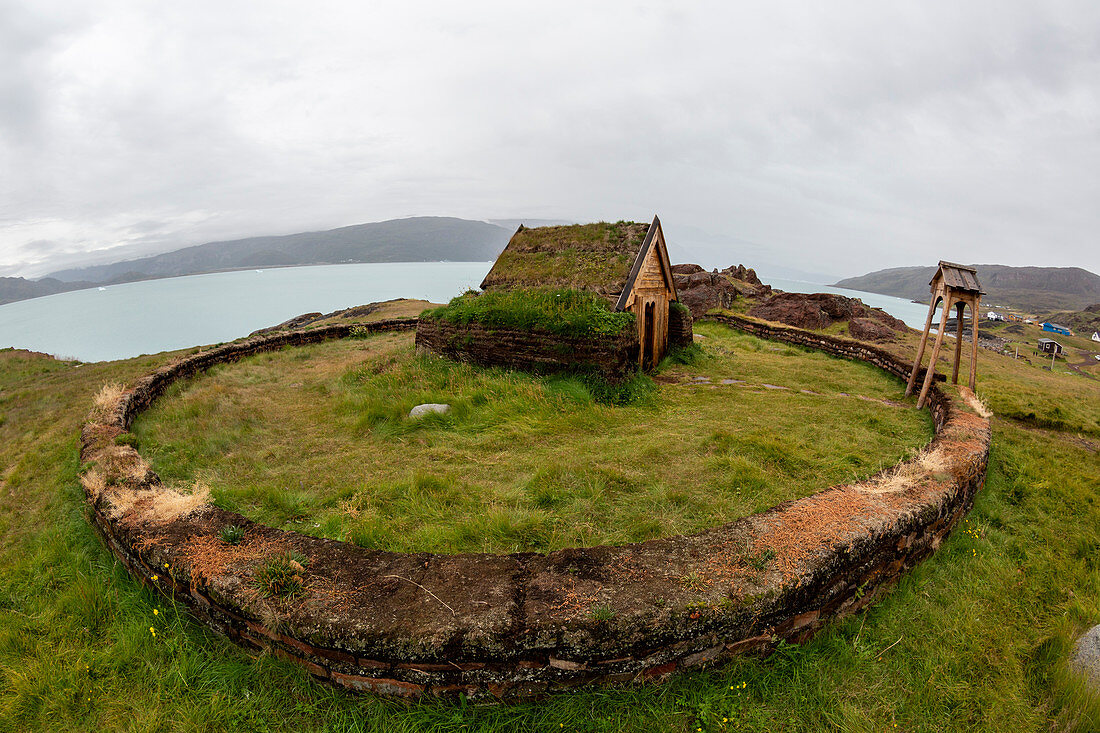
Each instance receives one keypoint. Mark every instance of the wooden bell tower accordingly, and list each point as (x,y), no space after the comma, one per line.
(958,286)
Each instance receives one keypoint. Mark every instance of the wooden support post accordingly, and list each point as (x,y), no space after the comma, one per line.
(958,341)
(920,347)
(974,347)
(930,374)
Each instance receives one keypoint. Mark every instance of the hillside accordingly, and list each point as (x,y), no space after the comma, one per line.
(1083,322)
(417,239)
(18,288)
(1031,289)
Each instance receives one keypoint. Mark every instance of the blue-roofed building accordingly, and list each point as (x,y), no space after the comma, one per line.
(1055,328)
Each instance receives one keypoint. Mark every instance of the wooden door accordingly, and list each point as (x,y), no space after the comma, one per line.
(649,336)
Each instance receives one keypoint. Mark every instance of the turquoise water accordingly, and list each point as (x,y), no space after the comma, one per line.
(121,321)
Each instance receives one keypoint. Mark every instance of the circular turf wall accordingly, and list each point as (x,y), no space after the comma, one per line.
(514,625)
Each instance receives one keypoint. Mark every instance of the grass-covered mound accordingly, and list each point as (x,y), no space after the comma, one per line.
(564,312)
(595,257)
(317,439)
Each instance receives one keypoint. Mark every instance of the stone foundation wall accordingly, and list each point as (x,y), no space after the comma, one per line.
(679,328)
(615,357)
(511,626)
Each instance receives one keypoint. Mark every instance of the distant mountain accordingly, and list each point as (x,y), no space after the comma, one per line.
(1031,289)
(417,239)
(17,288)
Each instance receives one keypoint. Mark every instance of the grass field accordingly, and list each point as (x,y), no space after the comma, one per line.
(975,638)
(317,439)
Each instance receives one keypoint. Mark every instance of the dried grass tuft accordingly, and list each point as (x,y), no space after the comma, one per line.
(898,479)
(974,402)
(93,483)
(171,505)
(933,461)
(907,474)
(121,464)
(105,401)
(159,505)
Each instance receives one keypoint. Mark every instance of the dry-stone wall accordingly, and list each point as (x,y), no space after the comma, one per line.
(679,327)
(508,626)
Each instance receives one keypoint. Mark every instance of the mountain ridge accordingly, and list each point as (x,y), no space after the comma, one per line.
(413,239)
(1032,289)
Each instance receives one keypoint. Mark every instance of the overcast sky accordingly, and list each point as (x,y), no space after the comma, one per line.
(837,137)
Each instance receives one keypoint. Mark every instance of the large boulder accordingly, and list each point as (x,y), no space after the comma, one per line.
(821,310)
(700,290)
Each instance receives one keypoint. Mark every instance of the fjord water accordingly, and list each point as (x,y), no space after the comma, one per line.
(121,321)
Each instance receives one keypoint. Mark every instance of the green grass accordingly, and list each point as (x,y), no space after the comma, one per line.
(975,638)
(1077,358)
(595,257)
(317,439)
(563,312)
(281,576)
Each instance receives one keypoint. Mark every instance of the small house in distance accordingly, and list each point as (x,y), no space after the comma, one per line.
(1055,328)
(626,263)
(1050,346)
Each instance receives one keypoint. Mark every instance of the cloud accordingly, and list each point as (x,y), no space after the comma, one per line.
(846,137)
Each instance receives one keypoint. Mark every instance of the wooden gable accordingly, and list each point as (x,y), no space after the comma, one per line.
(651,271)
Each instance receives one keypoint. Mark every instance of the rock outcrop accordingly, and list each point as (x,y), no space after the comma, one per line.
(821,310)
(700,290)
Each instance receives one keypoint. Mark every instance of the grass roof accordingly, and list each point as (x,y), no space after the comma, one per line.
(593,257)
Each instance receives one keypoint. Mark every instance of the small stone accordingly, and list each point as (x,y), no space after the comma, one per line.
(1086,656)
(567,665)
(429,408)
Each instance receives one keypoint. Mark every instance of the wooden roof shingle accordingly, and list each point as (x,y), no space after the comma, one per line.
(958,277)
